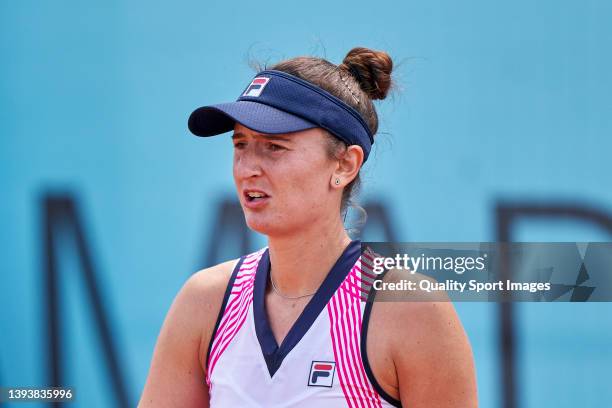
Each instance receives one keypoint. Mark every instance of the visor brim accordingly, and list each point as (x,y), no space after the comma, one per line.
(216,119)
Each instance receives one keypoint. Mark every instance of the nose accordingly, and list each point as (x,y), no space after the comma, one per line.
(247,162)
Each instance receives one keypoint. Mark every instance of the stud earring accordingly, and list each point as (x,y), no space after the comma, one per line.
(337,181)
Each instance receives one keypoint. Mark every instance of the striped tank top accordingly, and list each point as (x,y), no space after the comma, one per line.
(322,360)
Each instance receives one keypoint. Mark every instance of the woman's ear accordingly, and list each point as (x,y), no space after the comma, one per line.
(349,163)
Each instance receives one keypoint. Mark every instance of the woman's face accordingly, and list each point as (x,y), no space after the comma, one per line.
(284,181)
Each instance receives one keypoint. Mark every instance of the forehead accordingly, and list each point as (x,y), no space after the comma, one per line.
(313,134)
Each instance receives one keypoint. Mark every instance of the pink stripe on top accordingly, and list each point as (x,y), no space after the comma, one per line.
(234,315)
(344,311)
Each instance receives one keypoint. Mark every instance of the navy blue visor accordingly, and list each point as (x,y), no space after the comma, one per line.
(276,102)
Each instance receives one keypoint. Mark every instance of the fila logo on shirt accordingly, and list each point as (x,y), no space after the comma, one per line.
(256,86)
(321,374)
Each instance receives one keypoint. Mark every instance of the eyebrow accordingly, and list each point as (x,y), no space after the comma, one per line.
(238,135)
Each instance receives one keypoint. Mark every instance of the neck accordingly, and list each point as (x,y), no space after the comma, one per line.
(300,262)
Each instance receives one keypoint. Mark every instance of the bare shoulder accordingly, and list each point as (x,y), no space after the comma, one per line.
(206,289)
(422,334)
(177,372)
(207,286)
(199,300)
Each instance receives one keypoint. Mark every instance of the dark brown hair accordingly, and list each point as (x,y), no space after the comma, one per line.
(363,75)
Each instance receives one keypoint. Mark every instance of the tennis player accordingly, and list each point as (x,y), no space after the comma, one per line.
(288,325)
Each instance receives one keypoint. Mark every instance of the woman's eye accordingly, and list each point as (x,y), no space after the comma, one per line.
(275,147)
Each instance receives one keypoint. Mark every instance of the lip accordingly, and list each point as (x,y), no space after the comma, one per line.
(257,203)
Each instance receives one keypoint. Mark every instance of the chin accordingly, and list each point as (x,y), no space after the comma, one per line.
(265,225)
(257,223)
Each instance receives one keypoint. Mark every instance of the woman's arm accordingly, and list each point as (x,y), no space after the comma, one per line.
(433,358)
(177,373)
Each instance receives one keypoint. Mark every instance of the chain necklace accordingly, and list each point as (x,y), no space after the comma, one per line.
(279,293)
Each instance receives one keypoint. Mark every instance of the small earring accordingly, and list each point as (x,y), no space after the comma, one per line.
(337,181)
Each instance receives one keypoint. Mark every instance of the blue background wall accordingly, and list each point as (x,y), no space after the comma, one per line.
(497,101)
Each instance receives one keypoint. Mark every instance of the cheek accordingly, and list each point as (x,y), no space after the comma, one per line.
(304,187)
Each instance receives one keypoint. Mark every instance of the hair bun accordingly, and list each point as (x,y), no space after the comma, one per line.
(371,69)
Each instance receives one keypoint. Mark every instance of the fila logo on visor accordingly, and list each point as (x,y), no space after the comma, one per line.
(256,86)
(321,374)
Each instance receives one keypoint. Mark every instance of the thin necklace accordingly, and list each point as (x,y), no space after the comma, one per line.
(278,292)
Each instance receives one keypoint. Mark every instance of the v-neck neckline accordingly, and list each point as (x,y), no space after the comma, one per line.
(272,352)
